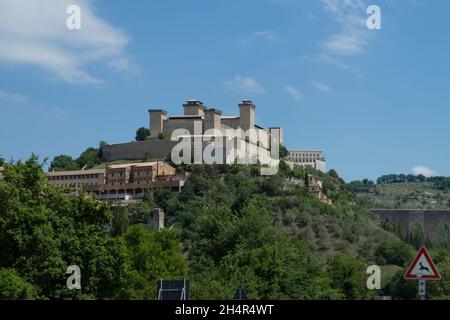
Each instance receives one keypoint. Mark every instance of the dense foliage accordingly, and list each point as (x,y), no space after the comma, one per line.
(142,134)
(272,238)
(43,231)
(438,182)
(228,228)
(87,160)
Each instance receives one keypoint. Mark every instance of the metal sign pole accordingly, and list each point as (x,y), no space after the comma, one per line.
(422,289)
(422,268)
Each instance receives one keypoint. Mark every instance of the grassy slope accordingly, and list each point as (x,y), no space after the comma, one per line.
(407,195)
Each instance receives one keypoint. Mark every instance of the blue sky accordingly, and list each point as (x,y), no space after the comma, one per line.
(375,101)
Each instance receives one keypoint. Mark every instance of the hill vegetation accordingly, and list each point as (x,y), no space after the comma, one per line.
(404,192)
(43,231)
(229,228)
(88,159)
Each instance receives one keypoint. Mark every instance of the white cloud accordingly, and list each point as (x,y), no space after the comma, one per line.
(320,86)
(123,65)
(244,83)
(294,92)
(345,43)
(427,172)
(326,58)
(12,97)
(264,34)
(34,32)
(353,36)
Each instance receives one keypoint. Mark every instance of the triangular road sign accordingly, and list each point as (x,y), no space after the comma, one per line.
(422,267)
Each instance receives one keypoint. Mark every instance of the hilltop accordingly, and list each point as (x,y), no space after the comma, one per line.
(404,192)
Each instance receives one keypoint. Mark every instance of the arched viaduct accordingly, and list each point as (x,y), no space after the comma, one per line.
(428,220)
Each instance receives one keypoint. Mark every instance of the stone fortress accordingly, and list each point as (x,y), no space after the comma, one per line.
(197,121)
(161,126)
(129,172)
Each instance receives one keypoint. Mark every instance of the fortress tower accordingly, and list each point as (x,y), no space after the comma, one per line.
(157,117)
(247,114)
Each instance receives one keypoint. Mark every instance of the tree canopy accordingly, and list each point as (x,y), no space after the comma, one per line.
(229,228)
(63,163)
(142,134)
(43,231)
(87,159)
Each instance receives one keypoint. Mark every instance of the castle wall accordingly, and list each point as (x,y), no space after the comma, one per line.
(180,123)
(234,122)
(161,149)
(141,150)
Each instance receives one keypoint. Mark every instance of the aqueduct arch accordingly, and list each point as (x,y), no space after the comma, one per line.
(443,233)
(428,220)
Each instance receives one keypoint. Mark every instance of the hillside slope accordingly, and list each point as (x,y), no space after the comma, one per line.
(274,239)
(405,195)
(229,228)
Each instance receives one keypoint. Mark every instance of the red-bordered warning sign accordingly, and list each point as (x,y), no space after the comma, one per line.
(422,267)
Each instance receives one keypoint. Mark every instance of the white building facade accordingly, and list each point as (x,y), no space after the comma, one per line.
(311,158)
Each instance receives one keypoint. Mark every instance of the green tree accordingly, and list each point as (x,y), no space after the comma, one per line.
(272,186)
(63,163)
(394,252)
(242,248)
(89,158)
(142,134)
(13,287)
(43,231)
(284,169)
(416,236)
(348,276)
(400,288)
(283,151)
(140,212)
(152,256)
(440,289)
(166,200)
(120,220)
